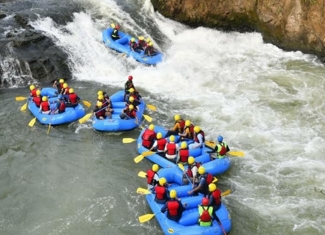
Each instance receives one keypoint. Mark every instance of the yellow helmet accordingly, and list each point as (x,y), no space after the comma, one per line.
(65,85)
(99,104)
(113,25)
(151,127)
(173,194)
(132,39)
(177,117)
(131,107)
(141,38)
(61,80)
(71,90)
(162,181)
(212,187)
(191,160)
(197,129)
(150,44)
(184,145)
(100,97)
(131,90)
(44,98)
(155,168)
(100,93)
(159,135)
(201,170)
(172,138)
(187,123)
(38,92)
(148,40)
(31,87)
(131,99)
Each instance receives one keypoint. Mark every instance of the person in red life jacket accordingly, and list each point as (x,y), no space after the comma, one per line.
(152,177)
(133,93)
(191,172)
(173,207)
(99,111)
(148,136)
(141,44)
(33,90)
(221,149)
(199,138)
(44,106)
(150,51)
(130,113)
(65,91)
(188,132)
(133,44)
(60,105)
(106,105)
(183,153)
(161,191)
(202,186)
(205,213)
(73,99)
(214,196)
(159,145)
(171,149)
(59,85)
(38,99)
(178,126)
(115,34)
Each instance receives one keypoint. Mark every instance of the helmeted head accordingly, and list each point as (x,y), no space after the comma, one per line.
(31,87)
(38,93)
(132,40)
(148,40)
(220,138)
(99,104)
(150,44)
(71,90)
(151,127)
(162,181)
(141,38)
(65,85)
(172,138)
(100,97)
(44,98)
(61,80)
(183,145)
(130,77)
(155,168)
(191,160)
(159,135)
(197,129)
(205,201)
(177,117)
(131,90)
(212,187)
(100,93)
(131,107)
(201,170)
(131,99)
(173,194)
(187,123)
(113,25)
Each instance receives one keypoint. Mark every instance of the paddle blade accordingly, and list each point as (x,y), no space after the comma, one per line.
(138,159)
(143,191)
(85,118)
(236,154)
(152,107)
(86,103)
(142,174)
(215,179)
(32,122)
(225,193)
(180,165)
(145,218)
(210,144)
(128,140)
(24,107)
(20,98)
(147,117)
(147,153)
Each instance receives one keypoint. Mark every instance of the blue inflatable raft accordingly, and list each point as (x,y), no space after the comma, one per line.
(187,225)
(122,45)
(116,123)
(215,167)
(70,114)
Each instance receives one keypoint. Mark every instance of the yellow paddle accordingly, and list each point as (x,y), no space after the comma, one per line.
(146,217)
(152,107)
(86,103)
(24,107)
(180,165)
(142,174)
(144,154)
(85,118)
(128,140)
(147,117)
(32,122)
(143,191)
(21,98)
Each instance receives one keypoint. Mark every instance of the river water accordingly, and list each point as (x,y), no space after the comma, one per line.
(264,101)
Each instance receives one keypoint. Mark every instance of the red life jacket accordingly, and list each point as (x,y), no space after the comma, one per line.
(62,107)
(216,196)
(208,178)
(33,93)
(66,91)
(171,148)
(37,100)
(150,176)
(184,153)
(131,114)
(196,134)
(73,98)
(148,137)
(205,216)
(191,127)
(61,86)
(45,106)
(172,207)
(100,113)
(133,44)
(161,144)
(223,149)
(160,192)
(189,169)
